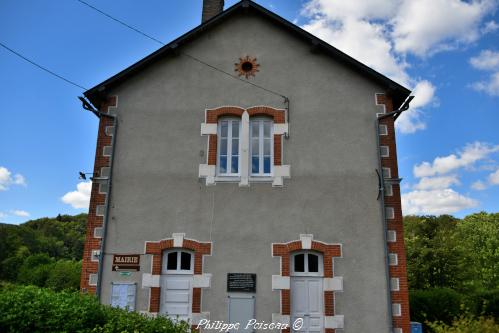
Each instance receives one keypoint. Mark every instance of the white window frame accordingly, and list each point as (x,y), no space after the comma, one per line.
(320,271)
(390,213)
(260,121)
(164,263)
(384,151)
(394,284)
(383,129)
(391,236)
(130,305)
(229,172)
(387,173)
(396,309)
(388,190)
(393,259)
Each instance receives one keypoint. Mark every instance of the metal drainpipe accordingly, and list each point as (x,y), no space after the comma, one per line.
(385,226)
(108,200)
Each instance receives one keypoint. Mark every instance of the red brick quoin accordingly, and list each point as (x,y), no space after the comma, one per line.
(96,199)
(400,270)
(212,115)
(329,251)
(157,248)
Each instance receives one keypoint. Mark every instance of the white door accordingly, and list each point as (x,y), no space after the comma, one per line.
(307,296)
(176,285)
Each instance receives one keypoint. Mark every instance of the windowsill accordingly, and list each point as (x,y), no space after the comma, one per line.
(232,179)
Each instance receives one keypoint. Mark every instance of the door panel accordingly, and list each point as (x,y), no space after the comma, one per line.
(307,303)
(176,296)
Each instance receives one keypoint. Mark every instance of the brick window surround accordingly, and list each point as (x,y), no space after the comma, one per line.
(156,249)
(212,115)
(285,251)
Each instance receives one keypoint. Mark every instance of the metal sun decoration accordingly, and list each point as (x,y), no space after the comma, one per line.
(247,66)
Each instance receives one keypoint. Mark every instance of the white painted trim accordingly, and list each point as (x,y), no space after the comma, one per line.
(178,239)
(390,213)
(383,132)
(394,284)
(280,318)
(197,317)
(388,190)
(306,241)
(393,259)
(337,321)
(333,284)
(150,280)
(396,309)
(398,330)
(281,172)
(95,232)
(95,254)
(94,276)
(99,210)
(105,171)
(208,128)
(207,171)
(280,282)
(107,150)
(201,280)
(387,173)
(391,236)
(281,129)
(384,151)
(244,150)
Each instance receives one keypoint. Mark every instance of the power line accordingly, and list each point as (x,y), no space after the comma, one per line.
(41,67)
(121,22)
(183,53)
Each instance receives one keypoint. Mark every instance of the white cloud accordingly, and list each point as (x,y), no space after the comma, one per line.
(435,202)
(479,185)
(79,198)
(381,33)
(468,156)
(21,213)
(486,60)
(434,183)
(6,179)
(489,27)
(494,178)
(490,86)
(424,27)
(411,120)
(2,215)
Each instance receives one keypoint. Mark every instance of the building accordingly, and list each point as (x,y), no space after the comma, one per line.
(249,170)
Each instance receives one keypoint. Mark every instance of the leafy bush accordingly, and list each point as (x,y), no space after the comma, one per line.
(484,303)
(466,325)
(436,304)
(36,310)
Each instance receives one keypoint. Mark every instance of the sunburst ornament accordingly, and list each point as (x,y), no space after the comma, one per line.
(247,66)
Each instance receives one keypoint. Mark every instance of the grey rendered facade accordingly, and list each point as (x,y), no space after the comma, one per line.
(331,147)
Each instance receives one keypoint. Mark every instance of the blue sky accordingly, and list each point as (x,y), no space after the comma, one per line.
(447,50)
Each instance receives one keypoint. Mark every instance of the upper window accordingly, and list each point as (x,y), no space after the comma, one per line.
(179,262)
(261,147)
(228,153)
(307,263)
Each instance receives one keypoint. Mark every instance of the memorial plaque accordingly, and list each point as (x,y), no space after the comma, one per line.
(126,262)
(241,282)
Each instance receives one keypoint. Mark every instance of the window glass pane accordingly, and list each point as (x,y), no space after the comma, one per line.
(235,129)
(223,164)
(313,263)
(223,147)
(254,147)
(235,147)
(235,164)
(172,261)
(255,164)
(266,147)
(266,129)
(300,263)
(255,129)
(223,131)
(185,261)
(266,165)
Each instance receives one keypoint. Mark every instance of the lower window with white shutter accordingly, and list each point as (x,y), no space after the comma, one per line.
(123,295)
